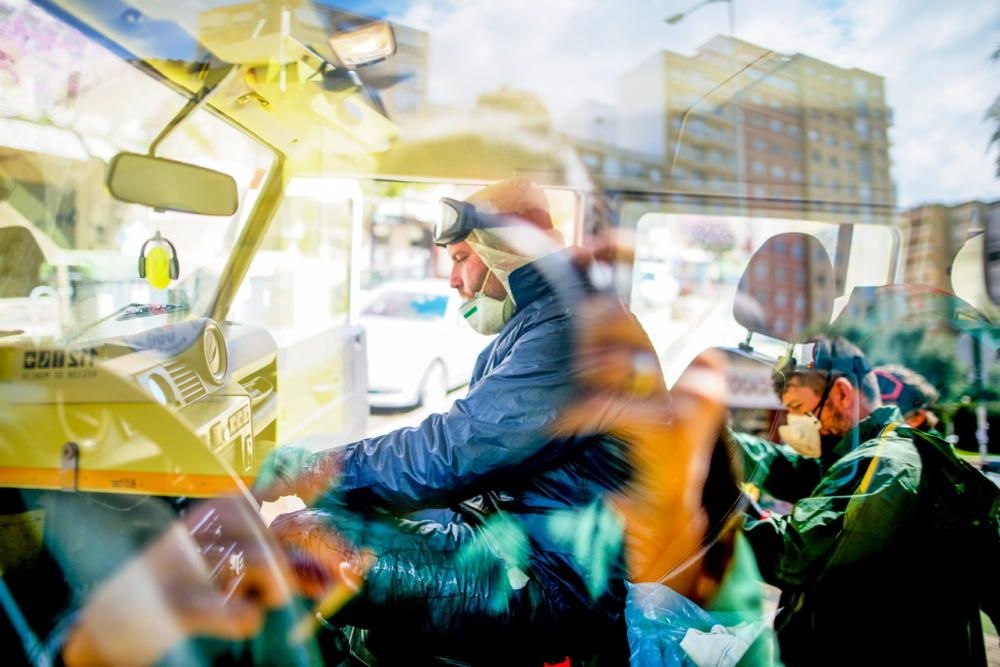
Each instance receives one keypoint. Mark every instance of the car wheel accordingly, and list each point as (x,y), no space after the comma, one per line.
(434,387)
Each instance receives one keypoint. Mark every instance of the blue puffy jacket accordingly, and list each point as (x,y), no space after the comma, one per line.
(497,440)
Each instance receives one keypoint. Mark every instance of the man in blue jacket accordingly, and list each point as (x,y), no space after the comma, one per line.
(514,573)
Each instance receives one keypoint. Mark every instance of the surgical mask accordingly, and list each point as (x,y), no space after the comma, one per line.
(801,433)
(485,314)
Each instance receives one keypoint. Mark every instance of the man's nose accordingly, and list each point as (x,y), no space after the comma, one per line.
(455,280)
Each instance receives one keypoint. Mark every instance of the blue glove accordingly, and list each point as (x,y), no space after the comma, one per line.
(281,473)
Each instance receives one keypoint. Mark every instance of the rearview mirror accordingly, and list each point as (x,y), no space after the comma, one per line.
(169,185)
(991,258)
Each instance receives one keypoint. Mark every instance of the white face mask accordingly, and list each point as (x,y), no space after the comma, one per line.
(801,433)
(485,314)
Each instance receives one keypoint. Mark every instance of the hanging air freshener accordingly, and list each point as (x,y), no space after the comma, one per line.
(158,262)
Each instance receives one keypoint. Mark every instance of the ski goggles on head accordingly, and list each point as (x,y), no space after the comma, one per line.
(459,218)
(826,359)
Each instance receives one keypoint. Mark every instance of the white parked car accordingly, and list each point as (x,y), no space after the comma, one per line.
(419,348)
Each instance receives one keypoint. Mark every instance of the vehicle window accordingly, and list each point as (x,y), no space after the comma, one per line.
(688,268)
(408,305)
(74,107)
(298,283)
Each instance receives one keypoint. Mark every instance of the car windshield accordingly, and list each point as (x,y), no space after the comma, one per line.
(69,252)
(408,305)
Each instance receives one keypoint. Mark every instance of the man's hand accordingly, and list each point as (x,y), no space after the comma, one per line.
(295,471)
(321,559)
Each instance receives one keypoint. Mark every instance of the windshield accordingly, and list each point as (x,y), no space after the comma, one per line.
(408,306)
(69,252)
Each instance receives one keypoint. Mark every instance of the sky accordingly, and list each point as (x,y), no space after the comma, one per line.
(935,57)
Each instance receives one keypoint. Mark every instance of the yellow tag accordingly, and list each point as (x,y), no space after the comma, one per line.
(158,267)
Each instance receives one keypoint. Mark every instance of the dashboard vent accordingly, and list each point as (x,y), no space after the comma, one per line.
(188,384)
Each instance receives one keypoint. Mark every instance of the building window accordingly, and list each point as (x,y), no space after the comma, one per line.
(866,167)
(861,127)
(794,131)
(760,270)
(795,154)
(796,176)
(817,157)
(834,162)
(797,250)
(758,145)
(813,135)
(848,144)
(776,149)
(775,125)
(758,167)
(780,299)
(779,247)
(777,172)
(831,139)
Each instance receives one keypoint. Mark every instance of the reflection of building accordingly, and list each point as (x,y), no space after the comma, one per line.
(617,168)
(592,120)
(791,279)
(936,233)
(783,127)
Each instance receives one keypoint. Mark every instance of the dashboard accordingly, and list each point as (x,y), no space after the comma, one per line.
(178,410)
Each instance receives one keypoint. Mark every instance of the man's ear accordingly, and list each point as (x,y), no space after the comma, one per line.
(843,393)
(916,419)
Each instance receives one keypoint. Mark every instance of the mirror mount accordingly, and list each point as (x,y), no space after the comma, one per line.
(214,78)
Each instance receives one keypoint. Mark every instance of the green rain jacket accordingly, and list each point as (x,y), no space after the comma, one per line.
(777,469)
(863,578)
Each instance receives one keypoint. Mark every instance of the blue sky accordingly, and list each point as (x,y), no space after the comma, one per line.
(933,55)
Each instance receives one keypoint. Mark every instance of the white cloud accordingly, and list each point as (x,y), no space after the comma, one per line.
(934,57)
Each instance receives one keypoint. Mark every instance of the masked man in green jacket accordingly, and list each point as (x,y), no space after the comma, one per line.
(878,563)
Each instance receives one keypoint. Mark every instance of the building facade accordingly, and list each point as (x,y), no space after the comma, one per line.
(740,120)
